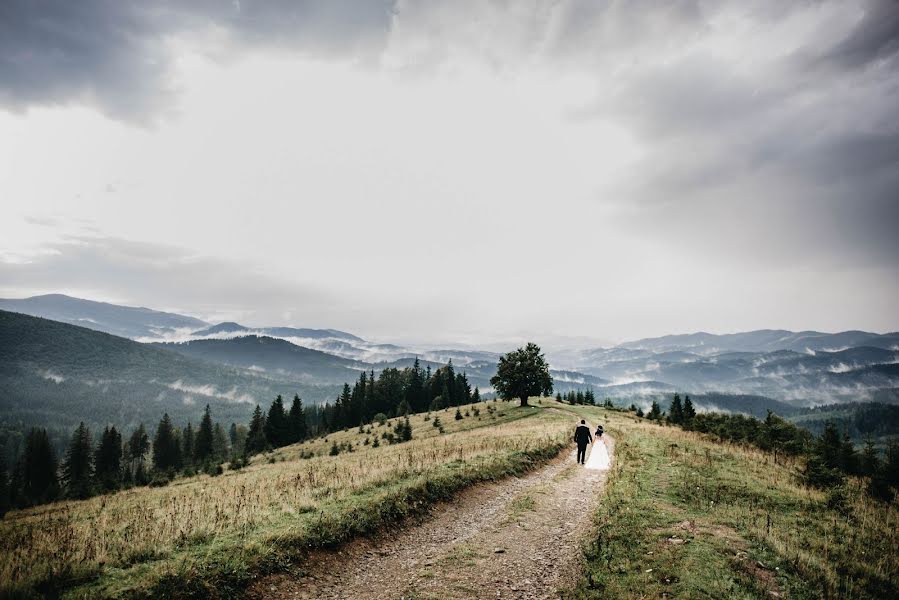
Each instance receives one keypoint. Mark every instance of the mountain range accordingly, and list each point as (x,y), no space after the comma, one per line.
(177,362)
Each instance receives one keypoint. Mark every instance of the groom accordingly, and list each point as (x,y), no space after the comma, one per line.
(582,437)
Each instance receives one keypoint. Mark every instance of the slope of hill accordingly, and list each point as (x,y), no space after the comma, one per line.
(680,515)
(271,355)
(55,374)
(124,321)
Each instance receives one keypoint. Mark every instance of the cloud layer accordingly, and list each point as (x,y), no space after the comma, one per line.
(737,152)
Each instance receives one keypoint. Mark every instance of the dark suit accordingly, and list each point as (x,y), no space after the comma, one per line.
(582,437)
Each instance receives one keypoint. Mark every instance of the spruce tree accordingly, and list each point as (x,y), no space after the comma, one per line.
(256,441)
(655,412)
(77,469)
(219,444)
(476,395)
(849,461)
(36,478)
(187,444)
(138,446)
(559,397)
(166,446)
(277,427)
(676,412)
(297,418)
(870,459)
(689,411)
(108,460)
(203,441)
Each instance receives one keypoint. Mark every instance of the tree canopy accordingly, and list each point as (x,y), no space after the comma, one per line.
(522,373)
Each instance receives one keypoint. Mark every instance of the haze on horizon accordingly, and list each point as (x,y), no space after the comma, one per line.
(457,171)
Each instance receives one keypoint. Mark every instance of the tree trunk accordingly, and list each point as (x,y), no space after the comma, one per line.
(524,401)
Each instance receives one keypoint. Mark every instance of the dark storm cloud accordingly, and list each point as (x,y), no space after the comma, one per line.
(794,159)
(111,53)
(875,37)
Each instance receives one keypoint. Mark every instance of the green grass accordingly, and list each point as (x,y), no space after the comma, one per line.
(210,537)
(683,516)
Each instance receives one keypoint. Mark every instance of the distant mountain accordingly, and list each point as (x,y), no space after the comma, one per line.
(55,374)
(272,355)
(282,332)
(124,321)
(765,340)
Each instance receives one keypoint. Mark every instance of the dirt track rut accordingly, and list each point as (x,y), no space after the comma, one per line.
(518,538)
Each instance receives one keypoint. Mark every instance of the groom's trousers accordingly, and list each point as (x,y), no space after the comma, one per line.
(581,453)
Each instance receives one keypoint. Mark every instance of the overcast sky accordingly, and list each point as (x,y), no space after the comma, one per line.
(457,171)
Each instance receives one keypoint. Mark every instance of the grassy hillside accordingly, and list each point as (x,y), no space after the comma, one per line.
(686,517)
(681,515)
(209,535)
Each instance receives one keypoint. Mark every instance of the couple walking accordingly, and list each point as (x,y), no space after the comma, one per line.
(599,457)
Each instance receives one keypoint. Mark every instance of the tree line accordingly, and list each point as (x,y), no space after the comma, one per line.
(394,393)
(113,463)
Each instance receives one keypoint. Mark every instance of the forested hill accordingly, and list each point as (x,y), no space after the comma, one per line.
(54,375)
(271,354)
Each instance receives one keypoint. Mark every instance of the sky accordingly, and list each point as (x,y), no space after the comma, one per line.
(464,171)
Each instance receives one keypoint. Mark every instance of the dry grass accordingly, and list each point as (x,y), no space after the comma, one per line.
(128,540)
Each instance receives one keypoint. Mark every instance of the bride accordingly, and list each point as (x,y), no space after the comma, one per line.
(599,454)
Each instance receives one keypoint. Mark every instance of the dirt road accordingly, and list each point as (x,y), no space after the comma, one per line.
(518,538)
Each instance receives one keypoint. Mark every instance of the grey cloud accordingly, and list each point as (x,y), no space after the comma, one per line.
(159,275)
(875,37)
(112,54)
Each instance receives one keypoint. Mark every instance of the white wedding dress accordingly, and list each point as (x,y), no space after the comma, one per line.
(599,456)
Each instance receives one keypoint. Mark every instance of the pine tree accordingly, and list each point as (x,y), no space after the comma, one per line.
(166,446)
(36,479)
(676,412)
(138,446)
(589,397)
(870,459)
(203,441)
(188,447)
(849,461)
(277,427)
(476,395)
(689,411)
(822,468)
(108,460)
(77,470)
(219,444)
(256,441)
(655,412)
(458,415)
(579,397)
(297,418)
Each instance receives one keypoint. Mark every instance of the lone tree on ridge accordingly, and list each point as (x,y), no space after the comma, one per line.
(522,373)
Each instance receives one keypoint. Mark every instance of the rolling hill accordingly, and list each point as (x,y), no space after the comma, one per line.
(55,374)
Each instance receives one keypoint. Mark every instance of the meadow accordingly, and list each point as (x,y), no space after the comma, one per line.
(688,516)
(682,514)
(209,536)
